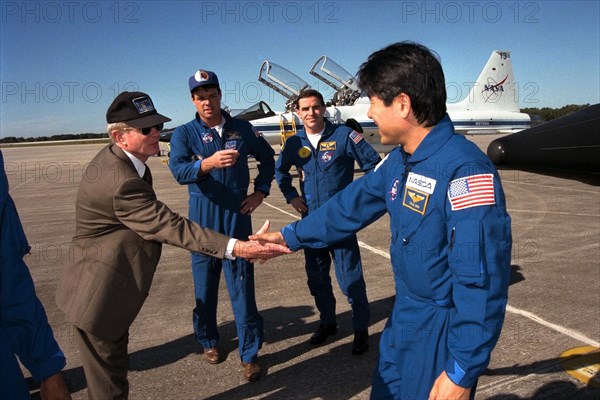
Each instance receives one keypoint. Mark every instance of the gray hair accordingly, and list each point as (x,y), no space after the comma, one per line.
(115,126)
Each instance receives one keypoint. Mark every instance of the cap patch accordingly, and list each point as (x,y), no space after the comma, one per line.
(201,76)
(143,104)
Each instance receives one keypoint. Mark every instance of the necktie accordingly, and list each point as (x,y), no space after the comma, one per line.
(148,175)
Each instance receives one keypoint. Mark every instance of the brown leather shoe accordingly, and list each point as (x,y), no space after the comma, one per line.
(251,371)
(212,355)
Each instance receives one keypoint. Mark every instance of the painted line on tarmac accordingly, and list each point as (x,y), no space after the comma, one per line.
(365,246)
(570,214)
(583,364)
(374,250)
(15,187)
(280,210)
(565,331)
(561,329)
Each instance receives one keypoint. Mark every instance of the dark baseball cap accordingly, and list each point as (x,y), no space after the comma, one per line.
(201,78)
(136,109)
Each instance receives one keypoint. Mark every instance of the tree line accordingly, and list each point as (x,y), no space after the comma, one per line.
(548,114)
(13,139)
(545,114)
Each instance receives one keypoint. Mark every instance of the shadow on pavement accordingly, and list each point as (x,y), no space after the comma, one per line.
(349,374)
(559,390)
(339,369)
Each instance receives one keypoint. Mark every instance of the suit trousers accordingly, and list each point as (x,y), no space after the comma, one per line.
(349,274)
(239,278)
(105,365)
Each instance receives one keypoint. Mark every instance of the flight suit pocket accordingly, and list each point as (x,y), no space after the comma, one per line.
(465,253)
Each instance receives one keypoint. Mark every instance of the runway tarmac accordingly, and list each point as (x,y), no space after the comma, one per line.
(554,303)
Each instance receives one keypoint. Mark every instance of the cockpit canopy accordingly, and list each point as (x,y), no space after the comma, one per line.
(282,81)
(256,111)
(344,83)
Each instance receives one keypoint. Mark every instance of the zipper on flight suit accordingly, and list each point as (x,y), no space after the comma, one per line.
(406,238)
(315,153)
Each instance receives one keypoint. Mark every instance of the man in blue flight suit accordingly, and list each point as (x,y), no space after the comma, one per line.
(24,328)
(451,235)
(210,155)
(324,155)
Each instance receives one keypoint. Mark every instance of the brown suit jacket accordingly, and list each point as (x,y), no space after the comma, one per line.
(120,228)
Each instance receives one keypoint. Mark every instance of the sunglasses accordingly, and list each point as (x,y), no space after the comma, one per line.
(146,131)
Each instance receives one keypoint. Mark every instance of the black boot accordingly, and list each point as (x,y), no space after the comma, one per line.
(320,336)
(361,342)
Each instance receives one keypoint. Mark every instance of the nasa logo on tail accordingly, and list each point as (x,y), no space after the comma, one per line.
(493,90)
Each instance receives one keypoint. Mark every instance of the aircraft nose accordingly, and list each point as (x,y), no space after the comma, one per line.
(496,151)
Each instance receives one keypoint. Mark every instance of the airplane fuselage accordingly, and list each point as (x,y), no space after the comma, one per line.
(465,122)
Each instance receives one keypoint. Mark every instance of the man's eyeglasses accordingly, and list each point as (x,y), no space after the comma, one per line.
(146,131)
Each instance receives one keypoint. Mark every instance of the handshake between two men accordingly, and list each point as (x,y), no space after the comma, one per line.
(263,245)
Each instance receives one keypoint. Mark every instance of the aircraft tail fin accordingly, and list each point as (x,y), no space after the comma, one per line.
(495,88)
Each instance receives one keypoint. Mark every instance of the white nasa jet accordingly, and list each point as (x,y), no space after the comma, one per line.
(491,106)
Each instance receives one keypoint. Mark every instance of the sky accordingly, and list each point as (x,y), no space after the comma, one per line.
(63,62)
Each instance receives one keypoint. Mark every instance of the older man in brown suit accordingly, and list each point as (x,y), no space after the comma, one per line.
(120,227)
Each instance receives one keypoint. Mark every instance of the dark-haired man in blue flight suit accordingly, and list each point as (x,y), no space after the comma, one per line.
(324,156)
(210,155)
(451,235)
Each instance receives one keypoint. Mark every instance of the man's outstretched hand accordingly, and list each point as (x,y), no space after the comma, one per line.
(260,250)
(264,237)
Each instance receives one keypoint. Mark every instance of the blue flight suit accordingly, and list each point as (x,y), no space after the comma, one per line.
(323,172)
(24,328)
(450,253)
(215,201)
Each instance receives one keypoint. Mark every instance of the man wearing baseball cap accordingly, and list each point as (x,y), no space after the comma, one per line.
(120,228)
(210,155)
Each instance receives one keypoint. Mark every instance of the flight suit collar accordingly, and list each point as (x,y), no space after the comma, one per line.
(225,115)
(328,131)
(433,141)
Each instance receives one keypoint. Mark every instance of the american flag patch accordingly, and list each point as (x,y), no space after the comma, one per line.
(471,191)
(356,137)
